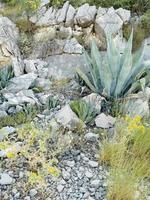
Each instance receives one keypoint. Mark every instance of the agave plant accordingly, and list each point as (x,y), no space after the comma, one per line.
(113,76)
(85,111)
(5,75)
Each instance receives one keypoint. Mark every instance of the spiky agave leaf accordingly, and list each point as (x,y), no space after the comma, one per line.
(113,59)
(125,66)
(115,77)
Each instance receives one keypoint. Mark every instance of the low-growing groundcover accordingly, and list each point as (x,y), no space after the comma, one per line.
(128,158)
(35,148)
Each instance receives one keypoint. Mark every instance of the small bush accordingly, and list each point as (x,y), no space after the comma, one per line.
(26,115)
(127,155)
(145,20)
(85,111)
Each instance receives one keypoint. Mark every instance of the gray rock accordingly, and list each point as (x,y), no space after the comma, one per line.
(24,96)
(137,104)
(67,118)
(95,100)
(49,18)
(85,15)
(95,183)
(34,65)
(60,188)
(110,22)
(65,32)
(93,164)
(124,14)
(48,48)
(63,66)
(43,84)
(3,114)
(27,198)
(73,47)
(65,175)
(70,163)
(33,192)
(22,82)
(5,179)
(44,2)
(91,137)
(70,16)
(104,121)
(9,51)
(62,13)
(5,131)
(88,174)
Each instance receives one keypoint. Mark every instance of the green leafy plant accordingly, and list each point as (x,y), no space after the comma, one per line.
(6,74)
(21,117)
(115,75)
(145,21)
(52,102)
(85,111)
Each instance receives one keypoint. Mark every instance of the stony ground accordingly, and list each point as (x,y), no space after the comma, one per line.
(81,177)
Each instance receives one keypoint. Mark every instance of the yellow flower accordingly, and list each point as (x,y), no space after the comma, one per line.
(54,171)
(10,155)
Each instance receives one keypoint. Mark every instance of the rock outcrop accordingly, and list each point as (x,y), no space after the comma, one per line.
(9,51)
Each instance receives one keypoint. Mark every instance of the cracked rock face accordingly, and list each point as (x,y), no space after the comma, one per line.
(9,51)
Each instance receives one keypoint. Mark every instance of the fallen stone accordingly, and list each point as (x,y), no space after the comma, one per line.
(67,118)
(5,179)
(93,164)
(91,137)
(5,131)
(104,121)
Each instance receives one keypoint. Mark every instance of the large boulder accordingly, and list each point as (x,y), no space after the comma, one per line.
(49,18)
(23,82)
(61,14)
(70,16)
(9,51)
(85,15)
(20,98)
(63,66)
(109,22)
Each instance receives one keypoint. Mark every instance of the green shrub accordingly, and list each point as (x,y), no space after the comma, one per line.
(136,6)
(145,20)
(26,115)
(52,102)
(85,111)
(114,76)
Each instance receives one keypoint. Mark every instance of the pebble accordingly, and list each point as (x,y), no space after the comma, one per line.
(88,174)
(65,175)
(33,192)
(91,137)
(60,188)
(5,179)
(95,183)
(93,164)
